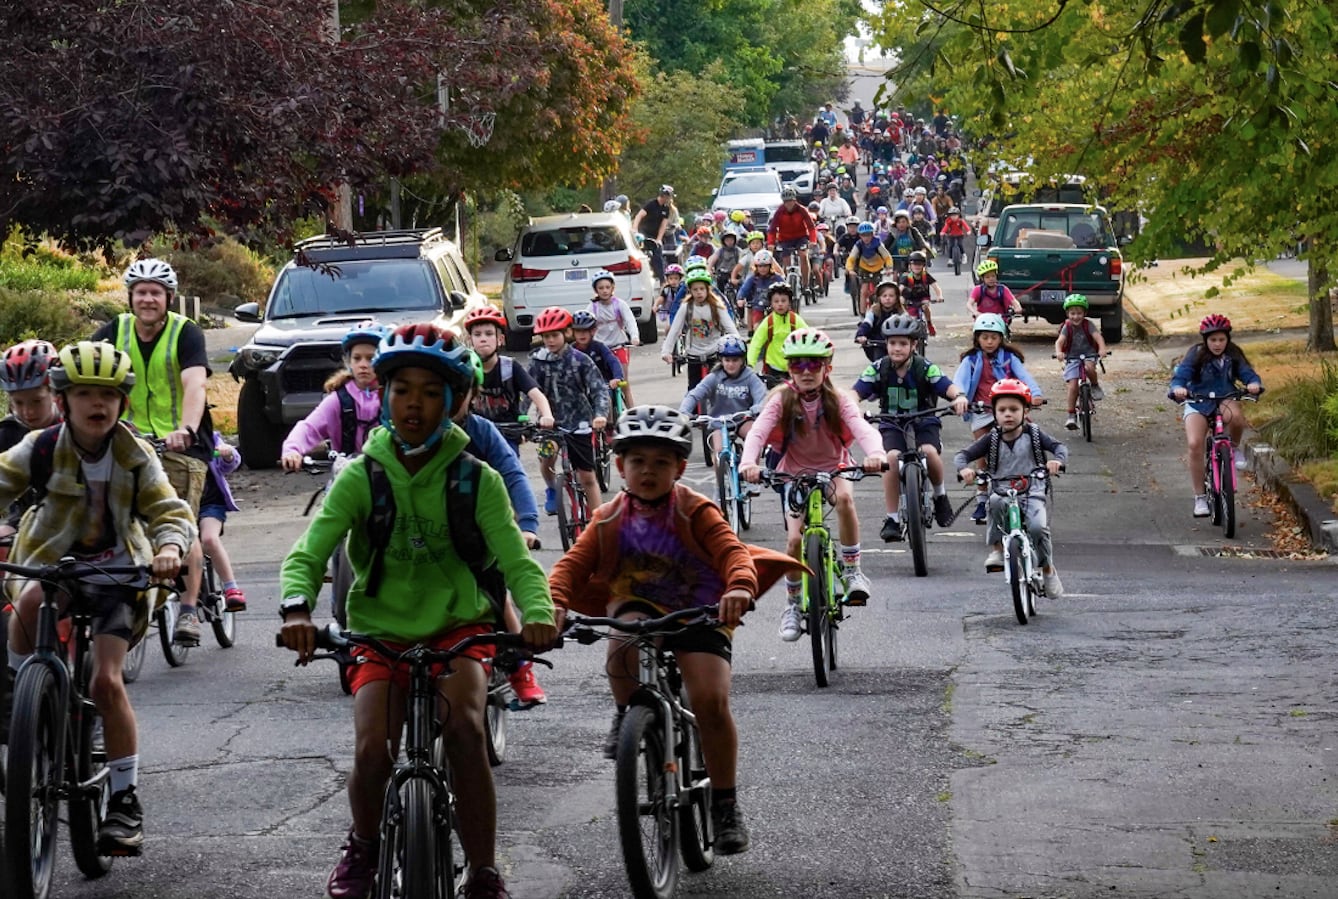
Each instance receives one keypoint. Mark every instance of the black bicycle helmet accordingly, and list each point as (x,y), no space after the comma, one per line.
(902,325)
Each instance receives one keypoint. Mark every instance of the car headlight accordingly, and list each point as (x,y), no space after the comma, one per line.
(258,357)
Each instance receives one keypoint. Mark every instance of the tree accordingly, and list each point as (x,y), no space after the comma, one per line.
(1213,117)
(118,123)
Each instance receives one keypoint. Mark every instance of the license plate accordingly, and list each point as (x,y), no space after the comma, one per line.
(575,274)
(1052,296)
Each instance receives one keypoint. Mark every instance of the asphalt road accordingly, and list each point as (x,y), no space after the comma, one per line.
(1166,729)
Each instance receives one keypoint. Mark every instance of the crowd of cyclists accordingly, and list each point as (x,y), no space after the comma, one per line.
(415,400)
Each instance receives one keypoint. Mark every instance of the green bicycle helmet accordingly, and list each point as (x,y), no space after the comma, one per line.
(808,343)
(1074,299)
(755,235)
(989,265)
(698,275)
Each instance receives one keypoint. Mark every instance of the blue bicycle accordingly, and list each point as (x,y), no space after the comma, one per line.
(734,497)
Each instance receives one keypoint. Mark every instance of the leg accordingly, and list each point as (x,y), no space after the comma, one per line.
(1235,422)
(706,677)
(465,694)
(1092,373)
(892,482)
(933,465)
(1196,433)
(1038,528)
(846,516)
(590,485)
(109,696)
(211,540)
(1071,391)
(378,711)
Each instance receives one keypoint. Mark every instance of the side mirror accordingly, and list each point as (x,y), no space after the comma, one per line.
(248,312)
(715,191)
(983,240)
(503,255)
(458,300)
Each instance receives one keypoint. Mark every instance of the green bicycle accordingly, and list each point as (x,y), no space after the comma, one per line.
(823,603)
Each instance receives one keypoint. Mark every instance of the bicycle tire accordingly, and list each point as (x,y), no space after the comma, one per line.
(564,523)
(856,299)
(1210,483)
(724,494)
(912,488)
(745,506)
(36,762)
(582,509)
(84,810)
(166,616)
(651,858)
(603,459)
(696,834)
(223,622)
(1085,409)
(341,579)
(133,665)
(419,861)
(1226,493)
(1017,578)
(495,716)
(816,591)
(956,260)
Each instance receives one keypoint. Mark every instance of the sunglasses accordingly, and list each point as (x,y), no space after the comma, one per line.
(808,365)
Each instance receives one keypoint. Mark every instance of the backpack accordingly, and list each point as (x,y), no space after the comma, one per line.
(1037,451)
(461,501)
(1067,329)
(44,451)
(349,421)
(915,375)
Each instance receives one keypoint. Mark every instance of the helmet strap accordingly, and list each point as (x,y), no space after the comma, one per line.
(406,448)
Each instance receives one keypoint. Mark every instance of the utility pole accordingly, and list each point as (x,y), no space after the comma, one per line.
(610,189)
(341,216)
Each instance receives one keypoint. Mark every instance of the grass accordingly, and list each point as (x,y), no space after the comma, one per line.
(1298,415)
(28,275)
(1175,300)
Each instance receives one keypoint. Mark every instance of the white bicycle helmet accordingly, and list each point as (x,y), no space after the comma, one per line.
(654,424)
(155,270)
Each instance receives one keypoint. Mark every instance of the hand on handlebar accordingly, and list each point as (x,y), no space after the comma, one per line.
(733,605)
(875,463)
(1179,393)
(539,637)
(167,562)
(967,475)
(751,473)
(1054,466)
(292,461)
(299,635)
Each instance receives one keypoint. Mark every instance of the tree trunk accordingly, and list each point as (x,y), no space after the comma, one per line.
(1320,335)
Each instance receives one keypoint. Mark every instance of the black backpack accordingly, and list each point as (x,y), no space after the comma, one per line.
(461,500)
(348,422)
(1037,451)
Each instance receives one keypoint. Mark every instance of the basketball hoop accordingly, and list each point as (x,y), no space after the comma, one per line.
(478,127)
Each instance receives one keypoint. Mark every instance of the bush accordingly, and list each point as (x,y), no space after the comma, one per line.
(30,275)
(1306,426)
(50,315)
(222,273)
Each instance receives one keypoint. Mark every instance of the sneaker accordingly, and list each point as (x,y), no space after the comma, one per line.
(611,741)
(858,587)
(550,501)
(933,332)
(978,516)
(187,631)
(122,828)
(352,877)
(892,531)
(943,511)
(1241,464)
(1071,423)
(1054,587)
(527,689)
(1098,394)
(994,561)
(485,884)
(1201,509)
(731,834)
(234,600)
(792,623)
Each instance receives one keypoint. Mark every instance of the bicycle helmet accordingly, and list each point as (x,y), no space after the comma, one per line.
(887,282)
(654,425)
(731,346)
(703,233)
(603,275)
(674,269)
(823,226)
(814,206)
(902,325)
(1010,387)
(875,191)
(762,257)
(918,256)
(26,365)
(583,321)
(666,190)
(424,345)
(737,216)
(789,193)
(953,210)
(985,267)
(755,235)
(719,215)
(1075,299)
(485,315)
(612,206)
(808,343)
(852,220)
(1213,323)
(901,214)
(155,270)
(882,210)
(94,364)
(698,276)
(865,228)
(622,199)
(990,321)
(364,332)
(554,318)
(733,234)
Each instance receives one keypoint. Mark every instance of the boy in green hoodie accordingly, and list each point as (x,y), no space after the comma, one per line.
(426,594)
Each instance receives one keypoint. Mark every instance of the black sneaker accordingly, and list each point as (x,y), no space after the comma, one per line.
(611,741)
(122,830)
(892,531)
(943,511)
(731,834)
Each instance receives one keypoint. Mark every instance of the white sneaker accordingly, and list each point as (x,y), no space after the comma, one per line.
(1098,394)
(858,587)
(1071,422)
(1201,509)
(792,624)
(1241,464)
(994,561)
(1054,588)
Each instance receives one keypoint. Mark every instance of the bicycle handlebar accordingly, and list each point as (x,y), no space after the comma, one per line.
(71,569)
(1221,397)
(1082,357)
(581,628)
(331,639)
(718,421)
(850,472)
(897,418)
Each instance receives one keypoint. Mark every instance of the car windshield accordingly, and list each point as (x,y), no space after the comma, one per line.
(578,239)
(342,287)
(786,153)
(750,184)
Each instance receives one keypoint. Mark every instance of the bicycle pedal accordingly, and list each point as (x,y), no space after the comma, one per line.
(119,851)
(850,601)
(187,644)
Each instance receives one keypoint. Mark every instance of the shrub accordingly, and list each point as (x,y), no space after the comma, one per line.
(222,273)
(50,315)
(28,274)
(1306,426)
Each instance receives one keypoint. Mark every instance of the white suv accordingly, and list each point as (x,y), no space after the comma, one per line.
(756,191)
(554,260)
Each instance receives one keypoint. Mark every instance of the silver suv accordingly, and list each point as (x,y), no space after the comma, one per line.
(391,277)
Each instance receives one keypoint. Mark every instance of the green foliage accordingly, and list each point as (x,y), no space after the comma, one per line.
(221,272)
(49,314)
(1305,427)
(30,275)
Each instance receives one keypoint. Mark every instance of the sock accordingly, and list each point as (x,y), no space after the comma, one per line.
(850,557)
(229,585)
(15,660)
(722,795)
(940,489)
(794,588)
(123,773)
(894,516)
(185,608)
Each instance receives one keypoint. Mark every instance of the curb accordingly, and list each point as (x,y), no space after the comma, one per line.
(1151,330)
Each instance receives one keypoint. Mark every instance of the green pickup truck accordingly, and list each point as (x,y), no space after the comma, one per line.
(1047,251)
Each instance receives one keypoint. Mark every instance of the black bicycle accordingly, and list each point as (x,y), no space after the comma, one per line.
(54,753)
(418,858)
(917,496)
(663,791)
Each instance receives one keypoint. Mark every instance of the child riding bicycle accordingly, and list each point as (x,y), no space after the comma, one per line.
(426,594)
(766,350)
(730,387)
(498,398)
(351,404)
(1077,337)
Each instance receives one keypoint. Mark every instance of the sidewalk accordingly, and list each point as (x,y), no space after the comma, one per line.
(1268,304)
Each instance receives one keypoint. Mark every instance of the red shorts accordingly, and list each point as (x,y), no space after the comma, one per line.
(370,667)
(623,354)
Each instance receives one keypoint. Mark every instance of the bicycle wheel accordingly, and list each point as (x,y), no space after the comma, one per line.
(855,299)
(647,822)
(580,509)
(1226,491)
(564,521)
(223,622)
(603,459)
(694,813)
(166,616)
(495,716)
(36,760)
(134,662)
(415,859)
(745,505)
(816,590)
(1209,483)
(912,487)
(341,579)
(86,804)
(1085,409)
(956,259)
(1017,580)
(724,493)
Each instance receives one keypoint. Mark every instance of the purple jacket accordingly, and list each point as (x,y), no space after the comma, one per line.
(220,468)
(324,422)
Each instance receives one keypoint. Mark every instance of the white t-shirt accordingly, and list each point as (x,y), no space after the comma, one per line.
(98,541)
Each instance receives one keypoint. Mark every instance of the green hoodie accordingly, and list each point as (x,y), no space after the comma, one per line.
(426,588)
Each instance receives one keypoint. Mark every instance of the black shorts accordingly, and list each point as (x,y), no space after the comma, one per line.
(716,642)
(581,452)
(927,431)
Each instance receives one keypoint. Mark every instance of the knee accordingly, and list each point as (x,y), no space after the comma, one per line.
(712,709)
(107,689)
(845,503)
(464,727)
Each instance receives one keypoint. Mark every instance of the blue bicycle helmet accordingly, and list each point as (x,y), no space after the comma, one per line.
(363,332)
(424,345)
(583,321)
(731,346)
(865,228)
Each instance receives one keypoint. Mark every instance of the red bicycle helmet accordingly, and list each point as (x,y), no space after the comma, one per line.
(554,318)
(25,365)
(1010,387)
(485,315)
(1214,323)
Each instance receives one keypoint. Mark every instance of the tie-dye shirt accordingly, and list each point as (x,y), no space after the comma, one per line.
(656,567)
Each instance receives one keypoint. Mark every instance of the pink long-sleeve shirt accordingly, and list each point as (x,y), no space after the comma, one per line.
(821,448)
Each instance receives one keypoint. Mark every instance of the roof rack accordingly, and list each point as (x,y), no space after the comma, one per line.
(372,239)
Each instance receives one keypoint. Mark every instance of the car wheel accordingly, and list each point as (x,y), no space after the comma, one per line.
(259,439)
(1112,324)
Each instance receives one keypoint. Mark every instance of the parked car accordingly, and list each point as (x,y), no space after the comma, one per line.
(392,277)
(755,191)
(554,260)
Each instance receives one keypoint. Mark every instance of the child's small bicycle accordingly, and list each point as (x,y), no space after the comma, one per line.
(1022,569)
(1219,465)
(1085,408)
(917,496)
(573,510)
(732,494)
(603,439)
